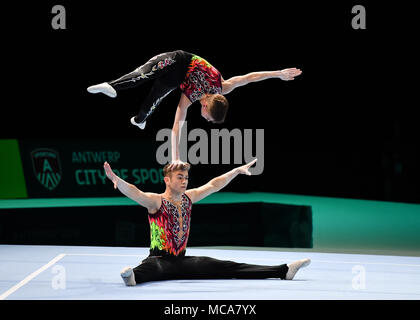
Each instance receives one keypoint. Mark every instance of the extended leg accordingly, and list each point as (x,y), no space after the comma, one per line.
(154,68)
(167,268)
(210,268)
(154,269)
(158,92)
(158,269)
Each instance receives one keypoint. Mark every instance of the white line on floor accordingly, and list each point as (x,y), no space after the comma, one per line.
(31,276)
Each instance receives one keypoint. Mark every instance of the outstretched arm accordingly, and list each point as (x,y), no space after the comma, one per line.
(145,199)
(239,81)
(218,183)
(180,116)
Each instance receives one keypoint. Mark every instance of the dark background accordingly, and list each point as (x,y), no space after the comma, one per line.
(347,127)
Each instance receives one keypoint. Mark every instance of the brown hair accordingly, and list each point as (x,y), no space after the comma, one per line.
(218,107)
(182,166)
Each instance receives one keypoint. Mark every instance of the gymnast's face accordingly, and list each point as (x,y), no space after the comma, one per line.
(205,109)
(177,181)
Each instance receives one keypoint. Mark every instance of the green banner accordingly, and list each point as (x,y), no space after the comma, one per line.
(12,182)
(74,168)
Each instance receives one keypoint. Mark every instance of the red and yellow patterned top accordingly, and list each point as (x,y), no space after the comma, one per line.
(170,228)
(200,79)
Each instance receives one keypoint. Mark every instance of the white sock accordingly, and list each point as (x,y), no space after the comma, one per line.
(104,88)
(127,275)
(295,266)
(140,125)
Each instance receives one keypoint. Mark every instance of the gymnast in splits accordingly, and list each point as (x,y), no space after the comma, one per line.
(169,216)
(198,81)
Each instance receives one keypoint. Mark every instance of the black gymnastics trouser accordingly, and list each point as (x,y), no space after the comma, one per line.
(167,69)
(190,267)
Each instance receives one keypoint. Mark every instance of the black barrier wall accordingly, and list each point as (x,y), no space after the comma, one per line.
(244,224)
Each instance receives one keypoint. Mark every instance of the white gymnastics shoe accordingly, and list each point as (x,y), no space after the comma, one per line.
(295,266)
(104,88)
(141,125)
(127,275)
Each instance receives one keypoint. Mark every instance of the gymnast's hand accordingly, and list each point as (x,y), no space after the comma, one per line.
(175,163)
(289,74)
(245,168)
(110,174)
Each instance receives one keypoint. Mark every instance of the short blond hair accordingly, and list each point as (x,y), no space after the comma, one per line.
(181,166)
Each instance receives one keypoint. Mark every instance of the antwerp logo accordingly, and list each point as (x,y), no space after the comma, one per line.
(47,168)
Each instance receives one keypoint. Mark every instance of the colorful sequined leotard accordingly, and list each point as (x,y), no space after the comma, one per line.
(170,228)
(200,79)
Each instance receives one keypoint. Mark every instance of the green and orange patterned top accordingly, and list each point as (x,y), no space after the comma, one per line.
(170,228)
(201,78)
